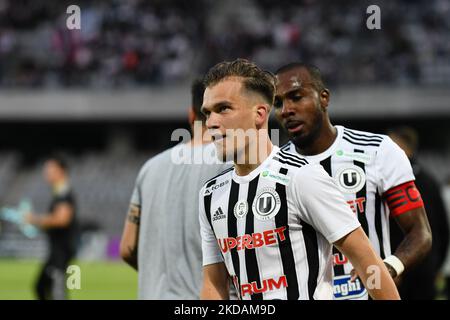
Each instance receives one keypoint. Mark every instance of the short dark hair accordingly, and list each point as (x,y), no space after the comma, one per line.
(60,160)
(197,91)
(314,72)
(255,79)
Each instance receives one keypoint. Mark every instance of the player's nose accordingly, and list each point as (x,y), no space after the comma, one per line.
(287,109)
(212,122)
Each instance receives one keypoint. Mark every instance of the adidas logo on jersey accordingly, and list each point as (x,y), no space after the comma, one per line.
(218,214)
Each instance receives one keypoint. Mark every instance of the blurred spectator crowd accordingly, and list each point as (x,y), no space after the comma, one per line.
(162,42)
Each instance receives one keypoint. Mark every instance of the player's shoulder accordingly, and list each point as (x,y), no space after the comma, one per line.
(292,164)
(224,175)
(162,158)
(363,138)
(216,182)
(289,160)
(154,164)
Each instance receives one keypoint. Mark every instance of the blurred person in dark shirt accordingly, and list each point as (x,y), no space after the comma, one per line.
(60,225)
(420,282)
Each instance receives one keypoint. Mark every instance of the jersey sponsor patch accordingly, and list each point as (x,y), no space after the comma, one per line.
(350,179)
(240,209)
(214,187)
(275,177)
(344,288)
(266,205)
(362,157)
(265,286)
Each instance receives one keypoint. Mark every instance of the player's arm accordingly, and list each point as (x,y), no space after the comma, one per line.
(416,242)
(61,217)
(215,284)
(130,237)
(407,208)
(396,181)
(368,265)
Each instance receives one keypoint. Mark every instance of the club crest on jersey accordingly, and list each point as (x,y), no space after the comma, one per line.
(266,205)
(351,179)
(240,209)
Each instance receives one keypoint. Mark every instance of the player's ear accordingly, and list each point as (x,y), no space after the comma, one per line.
(262,114)
(324,97)
(191,116)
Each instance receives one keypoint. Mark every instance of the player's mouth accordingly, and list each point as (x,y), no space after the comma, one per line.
(294,126)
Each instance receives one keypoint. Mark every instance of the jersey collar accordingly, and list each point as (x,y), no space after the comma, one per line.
(257,170)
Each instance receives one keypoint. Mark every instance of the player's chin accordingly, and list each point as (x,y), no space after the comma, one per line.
(221,151)
(300,139)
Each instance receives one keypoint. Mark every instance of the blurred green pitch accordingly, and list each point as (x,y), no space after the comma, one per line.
(99,280)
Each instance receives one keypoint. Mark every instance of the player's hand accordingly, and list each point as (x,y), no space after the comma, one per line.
(391,270)
(354,275)
(29,218)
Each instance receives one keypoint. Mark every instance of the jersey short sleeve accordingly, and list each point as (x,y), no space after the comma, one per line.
(136,196)
(210,249)
(393,166)
(321,204)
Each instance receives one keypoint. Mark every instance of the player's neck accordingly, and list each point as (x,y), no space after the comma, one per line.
(324,140)
(245,164)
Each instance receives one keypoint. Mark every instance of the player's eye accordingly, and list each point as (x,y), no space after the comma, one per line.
(223,108)
(296,98)
(206,113)
(277,103)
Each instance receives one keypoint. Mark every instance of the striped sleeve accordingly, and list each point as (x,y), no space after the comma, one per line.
(393,166)
(210,249)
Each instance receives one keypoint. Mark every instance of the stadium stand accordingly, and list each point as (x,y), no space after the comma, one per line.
(131,43)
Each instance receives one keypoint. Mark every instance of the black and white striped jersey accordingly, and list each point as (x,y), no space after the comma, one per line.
(364,166)
(274,228)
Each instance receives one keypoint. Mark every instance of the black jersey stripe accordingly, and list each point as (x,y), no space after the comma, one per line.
(286,251)
(362,139)
(220,174)
(286,146)
(326,164)
(297,165)
(339,268)
(232,227)
(361,143)
(293,157)
(251,262)
(312,253)
(362,194)
(362,135)
(283,157)
(289,153)
(207,203)
(378,226)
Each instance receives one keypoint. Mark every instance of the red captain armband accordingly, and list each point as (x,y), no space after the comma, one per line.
(403,198)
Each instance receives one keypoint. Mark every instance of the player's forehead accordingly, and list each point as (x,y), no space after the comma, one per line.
(228,90)
(293,79)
